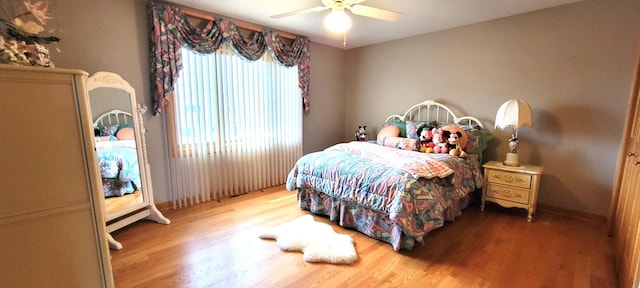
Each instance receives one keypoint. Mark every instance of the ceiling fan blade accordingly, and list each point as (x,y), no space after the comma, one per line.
(377,13)
(350,2)
(302,11)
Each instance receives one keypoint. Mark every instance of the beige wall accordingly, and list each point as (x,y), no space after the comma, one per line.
(323,125)
(113,36)
(573,64)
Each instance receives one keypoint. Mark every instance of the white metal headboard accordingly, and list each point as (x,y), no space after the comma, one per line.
(430,110)
(113,117)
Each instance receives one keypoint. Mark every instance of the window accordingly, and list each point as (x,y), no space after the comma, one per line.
(224,102)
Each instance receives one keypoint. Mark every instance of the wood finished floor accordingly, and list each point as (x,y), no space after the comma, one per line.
(216,245)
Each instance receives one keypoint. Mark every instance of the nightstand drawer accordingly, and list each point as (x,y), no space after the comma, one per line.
(508,193)
(509,178)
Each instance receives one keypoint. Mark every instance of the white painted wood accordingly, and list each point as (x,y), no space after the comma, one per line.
(134,211)
(511,186)
(52,229)
(430,110)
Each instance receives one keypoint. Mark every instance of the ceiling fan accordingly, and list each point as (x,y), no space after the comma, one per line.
(338,6)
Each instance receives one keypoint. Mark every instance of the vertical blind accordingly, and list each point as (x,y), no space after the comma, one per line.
(235,125)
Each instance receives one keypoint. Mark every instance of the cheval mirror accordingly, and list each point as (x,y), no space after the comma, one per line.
(122,155)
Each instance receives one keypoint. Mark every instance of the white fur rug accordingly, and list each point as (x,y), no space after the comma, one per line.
(316,240)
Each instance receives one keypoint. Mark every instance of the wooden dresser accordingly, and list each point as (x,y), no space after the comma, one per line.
(52,231)
(511,186)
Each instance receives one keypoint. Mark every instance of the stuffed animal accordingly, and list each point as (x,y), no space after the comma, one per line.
(425,135)
(458,151)
(361,133)
(453,144)
(456,140)
(440,143)
(461,151)
(452,138)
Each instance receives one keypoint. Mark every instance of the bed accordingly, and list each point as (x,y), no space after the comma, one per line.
(117,153)
(388,189)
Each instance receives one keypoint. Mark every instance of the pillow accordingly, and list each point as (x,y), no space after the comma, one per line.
(389,136)
(401,125)
(106,138)
(390,130)
(126,125)
(399,142)
(125,134)
(109,130)
(413,126)
(478,138)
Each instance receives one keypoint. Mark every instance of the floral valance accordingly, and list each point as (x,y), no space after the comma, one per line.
(171,30)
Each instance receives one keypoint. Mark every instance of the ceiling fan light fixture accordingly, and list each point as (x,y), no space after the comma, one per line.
(337,21)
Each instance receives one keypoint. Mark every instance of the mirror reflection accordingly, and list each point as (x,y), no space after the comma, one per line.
(120,149)
(116,149)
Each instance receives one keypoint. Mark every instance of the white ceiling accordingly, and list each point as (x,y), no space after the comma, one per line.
(419,16)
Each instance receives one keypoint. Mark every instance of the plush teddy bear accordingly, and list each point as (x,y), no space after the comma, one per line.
(425,135)
(440,143)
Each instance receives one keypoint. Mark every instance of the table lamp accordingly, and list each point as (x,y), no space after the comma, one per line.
(514,113)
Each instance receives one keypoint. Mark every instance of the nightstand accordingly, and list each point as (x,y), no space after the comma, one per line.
(511,186)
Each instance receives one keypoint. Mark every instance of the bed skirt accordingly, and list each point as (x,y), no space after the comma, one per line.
(374,224)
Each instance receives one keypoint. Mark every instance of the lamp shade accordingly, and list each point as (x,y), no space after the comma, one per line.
(514,113)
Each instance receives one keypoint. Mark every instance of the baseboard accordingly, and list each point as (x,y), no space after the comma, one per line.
(589,217)
(167,205)
(164,205)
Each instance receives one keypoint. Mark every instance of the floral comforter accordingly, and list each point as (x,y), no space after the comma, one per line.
(118,162)
(414,189)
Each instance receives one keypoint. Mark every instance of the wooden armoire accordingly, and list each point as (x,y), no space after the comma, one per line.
(52,228)
(624,219)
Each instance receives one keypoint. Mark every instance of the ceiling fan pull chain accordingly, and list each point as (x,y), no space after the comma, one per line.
(344,39)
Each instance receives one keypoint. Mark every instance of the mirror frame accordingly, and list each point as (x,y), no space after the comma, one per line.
(110,80)
(147,208)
